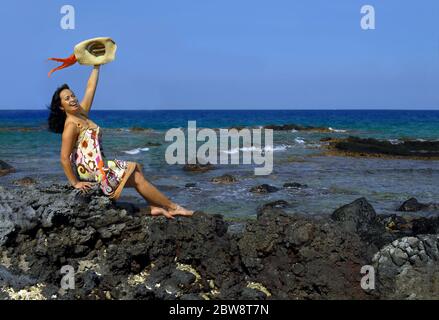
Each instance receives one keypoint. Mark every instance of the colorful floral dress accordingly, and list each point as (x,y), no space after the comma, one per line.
(88,159)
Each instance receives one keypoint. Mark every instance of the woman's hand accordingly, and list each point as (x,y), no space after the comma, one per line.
(84,186)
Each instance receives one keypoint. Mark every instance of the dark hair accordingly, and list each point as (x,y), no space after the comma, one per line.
(57,117)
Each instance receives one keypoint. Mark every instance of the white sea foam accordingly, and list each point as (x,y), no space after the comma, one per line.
(281,147)
(133,151)
(136,150)
(299,140)
(337,130)
(395,141)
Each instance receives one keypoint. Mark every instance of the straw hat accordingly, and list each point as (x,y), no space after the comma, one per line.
(90,52)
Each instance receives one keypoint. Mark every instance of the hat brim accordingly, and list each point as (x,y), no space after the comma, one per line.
(95,51)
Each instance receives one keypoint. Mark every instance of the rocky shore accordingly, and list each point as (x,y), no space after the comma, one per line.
(369,147)
(118,251)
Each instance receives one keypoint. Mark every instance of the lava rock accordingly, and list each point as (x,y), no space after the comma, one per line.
(190,185)
(370,146)
(408,268)
(289,127)
(224,179)
(264,188)
(118,252)
(198,167)
(5,168)
(26,181)
(412,205)
(278,204)
(360,217)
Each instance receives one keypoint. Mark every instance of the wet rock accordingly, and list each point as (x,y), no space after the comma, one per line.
(278,204)
(153,144)
(289,127)
(26,181)
(374,147)
(264,188)
(224,179)
(190,185)
(412,205)
(5,168)
(198,167)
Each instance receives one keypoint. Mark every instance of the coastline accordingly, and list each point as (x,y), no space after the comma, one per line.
(118,251)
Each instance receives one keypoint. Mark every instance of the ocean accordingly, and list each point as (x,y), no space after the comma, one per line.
(331,181)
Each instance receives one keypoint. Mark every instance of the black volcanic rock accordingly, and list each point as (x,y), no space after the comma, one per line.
(412,205)
(198,167)
(424,225)
(295,257)
(292,126)
(407,148)
(278,204)
(26,181)
(121,252)
(224,179)
(360,217)
(264,188)
(5,168)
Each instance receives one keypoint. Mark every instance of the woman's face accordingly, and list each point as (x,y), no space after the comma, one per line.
(69,102)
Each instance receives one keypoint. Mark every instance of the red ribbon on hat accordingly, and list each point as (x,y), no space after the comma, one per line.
(67,62)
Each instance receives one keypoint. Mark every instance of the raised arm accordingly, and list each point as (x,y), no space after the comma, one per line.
(90,90)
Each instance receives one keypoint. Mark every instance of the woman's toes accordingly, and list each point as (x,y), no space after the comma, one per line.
(157,211)
(180,211)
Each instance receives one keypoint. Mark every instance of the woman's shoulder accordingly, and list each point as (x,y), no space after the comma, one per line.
(71,124)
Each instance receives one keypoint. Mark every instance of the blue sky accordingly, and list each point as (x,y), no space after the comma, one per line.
(201,54)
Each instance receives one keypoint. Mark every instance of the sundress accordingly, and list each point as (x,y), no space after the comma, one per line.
(88,159)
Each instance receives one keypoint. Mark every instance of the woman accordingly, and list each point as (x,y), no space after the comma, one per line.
(82,158)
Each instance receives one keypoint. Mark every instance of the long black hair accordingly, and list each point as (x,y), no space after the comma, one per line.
(57,117)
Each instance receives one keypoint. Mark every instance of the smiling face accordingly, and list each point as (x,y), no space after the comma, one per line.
(69,102)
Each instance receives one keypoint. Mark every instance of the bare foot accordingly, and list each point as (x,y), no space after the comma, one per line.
(177,210)
(158,211)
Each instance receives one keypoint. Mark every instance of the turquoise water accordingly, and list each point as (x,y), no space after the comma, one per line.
(26,144)
(379,123)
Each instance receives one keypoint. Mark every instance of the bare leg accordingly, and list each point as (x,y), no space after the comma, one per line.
(153,195)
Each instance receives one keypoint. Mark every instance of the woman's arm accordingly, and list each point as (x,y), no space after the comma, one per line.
(90,90)
(69,137)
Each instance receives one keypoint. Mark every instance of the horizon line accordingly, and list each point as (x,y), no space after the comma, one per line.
(244,109)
